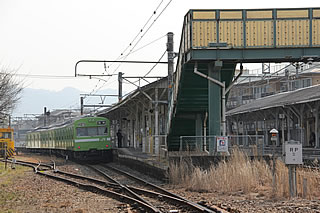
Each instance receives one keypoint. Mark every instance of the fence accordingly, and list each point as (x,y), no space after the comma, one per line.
(252,145)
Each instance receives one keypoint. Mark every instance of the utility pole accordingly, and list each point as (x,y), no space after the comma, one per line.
(81,105)
(5,156)
(120,86)
(170,63)
(45,116)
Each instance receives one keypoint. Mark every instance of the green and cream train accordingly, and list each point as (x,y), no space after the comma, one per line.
(81,138)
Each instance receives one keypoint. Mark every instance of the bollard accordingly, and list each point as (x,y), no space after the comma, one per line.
(13,163)
(305,188)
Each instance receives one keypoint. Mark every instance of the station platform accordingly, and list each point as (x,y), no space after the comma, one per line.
(146,163)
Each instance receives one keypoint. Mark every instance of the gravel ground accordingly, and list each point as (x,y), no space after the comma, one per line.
(36,193)
(253,202)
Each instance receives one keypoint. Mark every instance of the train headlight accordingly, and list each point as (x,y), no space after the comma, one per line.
(78,147)
(107,145)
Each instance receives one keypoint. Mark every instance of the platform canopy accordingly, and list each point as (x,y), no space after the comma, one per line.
(304,95)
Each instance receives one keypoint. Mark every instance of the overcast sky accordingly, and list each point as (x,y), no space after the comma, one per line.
(42,37)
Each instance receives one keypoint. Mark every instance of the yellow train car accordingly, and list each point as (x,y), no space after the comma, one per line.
(6,142)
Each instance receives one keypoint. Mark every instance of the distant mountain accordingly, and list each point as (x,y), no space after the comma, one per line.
(34,100)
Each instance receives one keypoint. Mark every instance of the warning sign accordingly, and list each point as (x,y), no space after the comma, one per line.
(222,144)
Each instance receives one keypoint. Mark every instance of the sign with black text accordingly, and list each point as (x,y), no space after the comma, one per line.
(293,152)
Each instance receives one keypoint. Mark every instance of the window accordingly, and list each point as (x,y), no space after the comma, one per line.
(306,82)
(102,130)
(92,131)
(82,132)
(5,135)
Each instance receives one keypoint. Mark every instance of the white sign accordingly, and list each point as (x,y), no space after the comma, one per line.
(222,144)
(293,151)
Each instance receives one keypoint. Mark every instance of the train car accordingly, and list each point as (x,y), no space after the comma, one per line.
(82,138)
(6,142)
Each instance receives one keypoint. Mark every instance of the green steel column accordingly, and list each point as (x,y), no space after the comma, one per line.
(214,101)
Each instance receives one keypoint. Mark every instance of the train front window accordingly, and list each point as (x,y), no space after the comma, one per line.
(83,131)
(102,130)
(92,131)
(5,135)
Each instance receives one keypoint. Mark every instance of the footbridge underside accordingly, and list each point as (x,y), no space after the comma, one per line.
(213,42)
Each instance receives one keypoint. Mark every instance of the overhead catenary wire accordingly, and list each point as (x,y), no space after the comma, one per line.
(151,25)
(129,54)
(140,31)
(131,50)
(130,44)
(148,71)
(142,47)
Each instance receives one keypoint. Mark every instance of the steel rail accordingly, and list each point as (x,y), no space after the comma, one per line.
(98,190)
(176,200)
(123,187)
(165,192)
(94,180)
(115,185)
(33,165)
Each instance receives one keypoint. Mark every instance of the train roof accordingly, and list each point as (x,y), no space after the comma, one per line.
(63,124)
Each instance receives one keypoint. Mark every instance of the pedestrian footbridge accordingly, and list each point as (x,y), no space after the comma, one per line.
(213,42)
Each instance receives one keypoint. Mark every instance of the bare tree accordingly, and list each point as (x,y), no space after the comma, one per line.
(10,91)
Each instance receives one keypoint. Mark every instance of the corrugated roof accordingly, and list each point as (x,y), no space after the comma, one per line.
(303,95)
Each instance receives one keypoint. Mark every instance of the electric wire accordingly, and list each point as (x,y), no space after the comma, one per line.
(95,90)
(44,76)
(135,37)
(153,66)
(154,12)
(130,51)
(142,47)
(148,71)
(130,44)
(151,25)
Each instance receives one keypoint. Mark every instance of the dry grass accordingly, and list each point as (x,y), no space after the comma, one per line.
(7,177)
(240,173)
(179,172)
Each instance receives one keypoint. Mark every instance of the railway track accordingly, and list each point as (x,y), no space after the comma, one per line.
(39,166)
(150,198)
(150,190)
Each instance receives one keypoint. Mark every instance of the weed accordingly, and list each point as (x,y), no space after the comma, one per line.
(240,173)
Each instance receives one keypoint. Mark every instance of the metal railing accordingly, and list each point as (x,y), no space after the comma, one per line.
(252,145)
